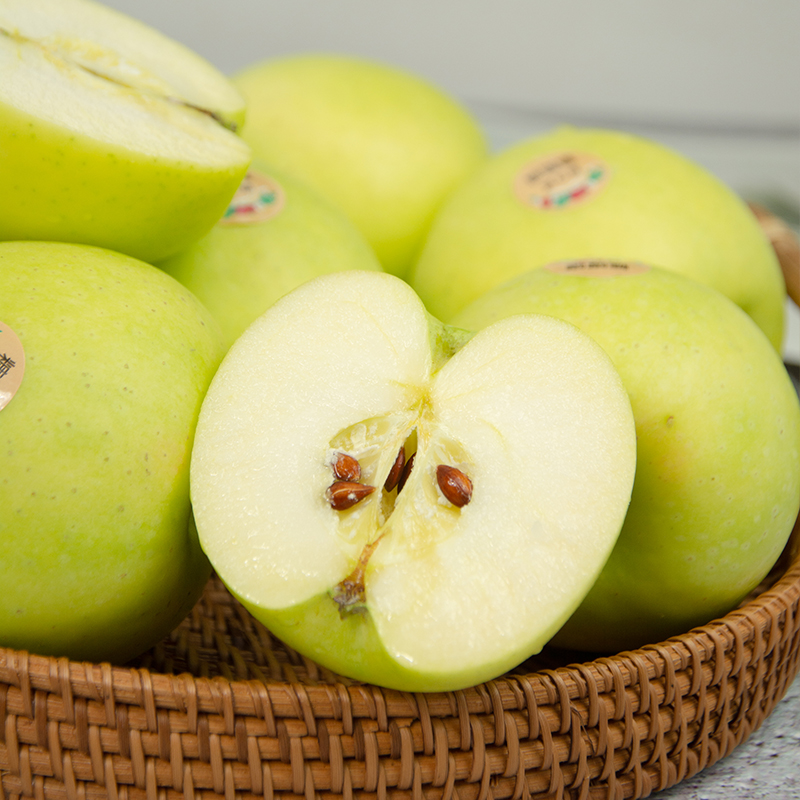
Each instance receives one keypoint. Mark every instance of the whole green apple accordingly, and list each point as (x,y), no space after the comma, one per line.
(584,193)
(276,234)
(404,503)
(111,134)
(717,484)
(384,145)
(107,364)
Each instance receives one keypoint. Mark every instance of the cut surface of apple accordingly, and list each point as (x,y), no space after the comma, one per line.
(515,454)
(111,133)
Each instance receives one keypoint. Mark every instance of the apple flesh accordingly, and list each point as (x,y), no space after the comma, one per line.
(99,558)
(276,234)
(111,134)
(384,145)
(584,193)
(717,484)
(517,453)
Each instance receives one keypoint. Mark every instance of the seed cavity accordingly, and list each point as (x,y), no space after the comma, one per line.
(346,468)
(345,494)
(393,478)
(454,485)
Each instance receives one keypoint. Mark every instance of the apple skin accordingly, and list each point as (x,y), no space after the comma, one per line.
(238,270)
(654,206)
(717,485)
(99,557)
(384,145)
(67,187)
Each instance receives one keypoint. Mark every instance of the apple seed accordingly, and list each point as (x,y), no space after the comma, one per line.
(409,465)
(455,485)
(346,468)
(395,473)
(345,494)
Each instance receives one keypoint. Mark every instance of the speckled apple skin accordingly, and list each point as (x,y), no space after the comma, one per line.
(58,185)
(656,206)
(717,484)
(99,558)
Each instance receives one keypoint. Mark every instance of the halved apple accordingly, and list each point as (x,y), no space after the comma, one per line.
(110,133)
(402,502)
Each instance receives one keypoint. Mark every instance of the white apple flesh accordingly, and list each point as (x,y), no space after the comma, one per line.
(110,133)
(410,589)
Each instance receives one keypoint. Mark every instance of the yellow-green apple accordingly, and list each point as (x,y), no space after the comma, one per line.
(276,234)
(383,144)
(717,484)
(584,193)
(405,504)
(105,360)
(111,134)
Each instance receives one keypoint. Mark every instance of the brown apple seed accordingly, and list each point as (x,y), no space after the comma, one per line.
(407,467)
(345,494)
(393,478)
(346,468)
(454,484)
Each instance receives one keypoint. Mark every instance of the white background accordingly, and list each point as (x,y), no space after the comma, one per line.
(717,79)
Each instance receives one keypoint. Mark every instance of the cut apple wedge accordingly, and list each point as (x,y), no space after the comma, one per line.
(111,133)
(405,503)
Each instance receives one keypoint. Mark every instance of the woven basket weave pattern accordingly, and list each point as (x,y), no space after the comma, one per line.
(221,710)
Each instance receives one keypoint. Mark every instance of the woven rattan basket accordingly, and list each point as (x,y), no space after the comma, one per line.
(221,710)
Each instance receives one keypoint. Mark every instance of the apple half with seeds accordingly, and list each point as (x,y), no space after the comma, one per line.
(111,133)
(402,502)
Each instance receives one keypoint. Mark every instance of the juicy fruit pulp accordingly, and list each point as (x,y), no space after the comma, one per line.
(110,133)
(99,558)
(582,193)
(423,578)
(717,485)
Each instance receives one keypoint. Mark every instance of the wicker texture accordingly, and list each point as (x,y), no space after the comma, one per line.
(222,710)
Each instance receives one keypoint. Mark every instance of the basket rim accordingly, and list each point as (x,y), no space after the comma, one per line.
(140,686)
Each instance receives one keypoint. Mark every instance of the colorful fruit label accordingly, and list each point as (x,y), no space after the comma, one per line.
(12,364)
(257,199)
(557,181)
(597,268)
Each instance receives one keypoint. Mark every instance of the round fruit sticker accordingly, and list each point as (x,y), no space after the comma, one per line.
(257,199)
(597,268)
(12,364)
(560,180)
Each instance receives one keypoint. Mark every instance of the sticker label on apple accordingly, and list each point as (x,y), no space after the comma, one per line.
(257,199)
(12,364)
(597,268)
(557,181)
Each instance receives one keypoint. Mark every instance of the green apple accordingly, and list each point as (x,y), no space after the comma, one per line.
(276,234)
(404,504)
(105,361)
(584,193)
(384,145)
(717,484)
(111,134)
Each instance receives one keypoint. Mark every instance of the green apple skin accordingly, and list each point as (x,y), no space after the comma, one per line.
(239,270)
(717,484)
(99,557)
(63,186)
(655,206)
(384,145)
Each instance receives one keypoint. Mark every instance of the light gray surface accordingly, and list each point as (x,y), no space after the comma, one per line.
(765,767)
